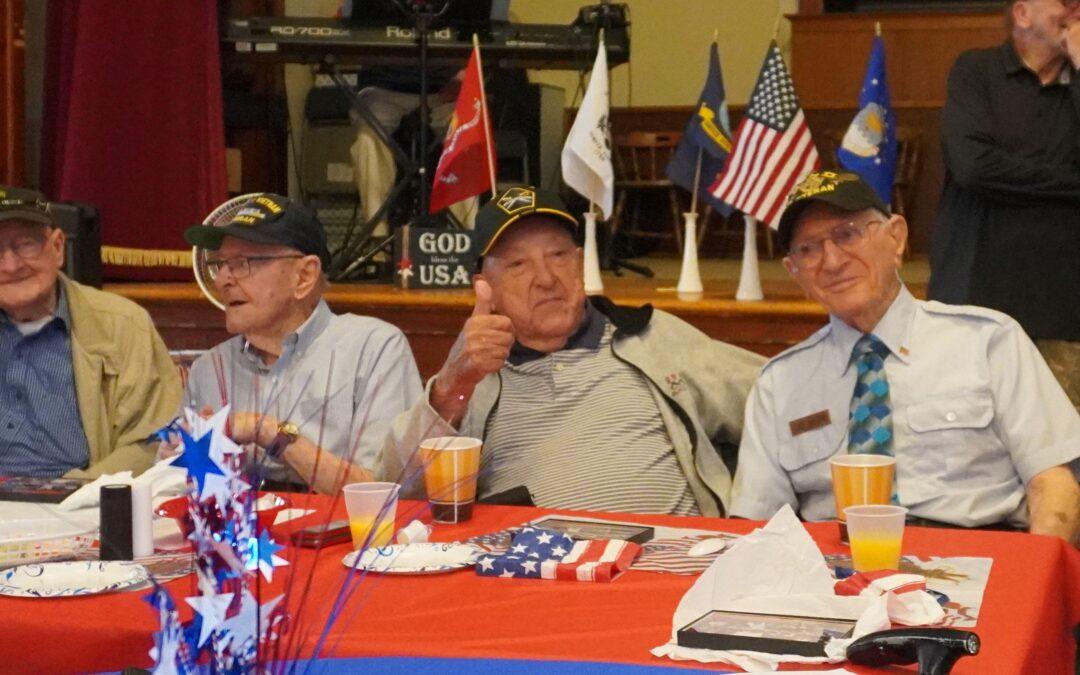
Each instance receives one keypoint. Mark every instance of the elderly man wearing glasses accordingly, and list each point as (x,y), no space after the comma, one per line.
(85,379)
(982,433)
(315,390)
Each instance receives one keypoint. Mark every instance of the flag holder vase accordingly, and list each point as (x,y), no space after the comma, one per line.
(749,276)
(690,287)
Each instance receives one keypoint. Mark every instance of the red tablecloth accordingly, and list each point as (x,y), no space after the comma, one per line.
(1031,602)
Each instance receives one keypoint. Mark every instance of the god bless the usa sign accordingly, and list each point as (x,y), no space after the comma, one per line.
(428,257)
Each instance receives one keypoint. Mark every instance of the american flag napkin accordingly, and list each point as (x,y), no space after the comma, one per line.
(546,554)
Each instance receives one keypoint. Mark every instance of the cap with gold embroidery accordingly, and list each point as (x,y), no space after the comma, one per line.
(842,189)
(267,219)
(22,204)
(509,207)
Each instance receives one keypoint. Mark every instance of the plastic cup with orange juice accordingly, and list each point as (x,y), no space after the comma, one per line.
(451,465)
(861,479)
(877,534)
(372,508)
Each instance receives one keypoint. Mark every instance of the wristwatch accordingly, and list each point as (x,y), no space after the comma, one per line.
(287,432)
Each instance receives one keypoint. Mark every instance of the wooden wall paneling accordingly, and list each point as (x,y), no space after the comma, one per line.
(12,92)
(829,53)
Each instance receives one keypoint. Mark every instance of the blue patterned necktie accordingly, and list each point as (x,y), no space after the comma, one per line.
(870,422)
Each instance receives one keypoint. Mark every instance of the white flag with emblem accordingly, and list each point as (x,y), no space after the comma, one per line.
(586,157)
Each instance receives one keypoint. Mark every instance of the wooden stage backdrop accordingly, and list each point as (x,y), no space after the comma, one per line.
(432,319)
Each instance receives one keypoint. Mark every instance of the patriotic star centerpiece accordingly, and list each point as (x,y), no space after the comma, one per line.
(230,624)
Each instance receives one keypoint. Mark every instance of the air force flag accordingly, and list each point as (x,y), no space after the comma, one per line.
(869,146)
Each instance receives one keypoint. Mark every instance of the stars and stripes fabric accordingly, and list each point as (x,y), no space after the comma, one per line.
(869,144)
(536,553)
(586,156)
(773,148)
(467,163)
(708,136)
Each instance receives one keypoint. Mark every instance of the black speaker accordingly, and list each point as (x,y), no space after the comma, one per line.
(82,229)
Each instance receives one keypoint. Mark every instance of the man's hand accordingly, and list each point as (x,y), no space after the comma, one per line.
(251,427)
(480,349)
(1054,504)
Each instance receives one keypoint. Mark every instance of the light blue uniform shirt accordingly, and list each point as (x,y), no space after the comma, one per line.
(976,414)
(341,378)
(41,432)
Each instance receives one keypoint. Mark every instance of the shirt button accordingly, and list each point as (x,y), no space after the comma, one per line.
(18,396)
(559,366)
(950,416)
(10,425)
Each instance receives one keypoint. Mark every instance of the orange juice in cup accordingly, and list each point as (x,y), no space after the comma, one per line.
(371,508)
(451,464)
(876,532)
(861,479)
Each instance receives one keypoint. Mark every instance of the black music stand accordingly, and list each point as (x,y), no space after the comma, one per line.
(425,14)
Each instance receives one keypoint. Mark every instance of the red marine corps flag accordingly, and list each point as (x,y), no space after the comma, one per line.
(467,165)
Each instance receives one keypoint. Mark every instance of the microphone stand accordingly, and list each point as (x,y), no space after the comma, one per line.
(605,14)
(424,14)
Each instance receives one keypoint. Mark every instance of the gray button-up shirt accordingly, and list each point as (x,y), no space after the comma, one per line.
(976,414)
(341,378)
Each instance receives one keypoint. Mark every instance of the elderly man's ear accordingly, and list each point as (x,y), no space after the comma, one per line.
(309,276)
(897,228)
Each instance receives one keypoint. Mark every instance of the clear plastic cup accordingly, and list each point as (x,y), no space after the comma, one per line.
(372,508)
(877,534)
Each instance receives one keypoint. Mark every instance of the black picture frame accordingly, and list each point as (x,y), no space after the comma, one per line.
(770,633)
(588,529)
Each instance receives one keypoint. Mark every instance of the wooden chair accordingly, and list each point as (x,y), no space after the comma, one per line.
(639,161)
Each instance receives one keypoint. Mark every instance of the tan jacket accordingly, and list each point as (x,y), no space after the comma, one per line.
(125,382)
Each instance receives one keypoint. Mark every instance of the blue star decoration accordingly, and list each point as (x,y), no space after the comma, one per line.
(196,459)
(262,555)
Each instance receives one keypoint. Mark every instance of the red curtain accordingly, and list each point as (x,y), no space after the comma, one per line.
(133,119)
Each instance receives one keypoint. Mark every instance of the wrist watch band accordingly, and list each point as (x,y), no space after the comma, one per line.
(287,432)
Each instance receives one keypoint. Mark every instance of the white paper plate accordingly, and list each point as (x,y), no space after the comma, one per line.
(61,579)
(414,558)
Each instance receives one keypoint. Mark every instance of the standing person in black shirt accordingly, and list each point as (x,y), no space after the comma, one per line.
(1008,227)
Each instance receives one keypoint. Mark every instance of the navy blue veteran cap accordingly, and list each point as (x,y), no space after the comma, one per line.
(842,189)
(22,204)
(509,207)
(267,219)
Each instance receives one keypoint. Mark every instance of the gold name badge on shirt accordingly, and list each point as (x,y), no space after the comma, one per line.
(810,422)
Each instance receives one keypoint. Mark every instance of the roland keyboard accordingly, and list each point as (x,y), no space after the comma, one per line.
(518,45)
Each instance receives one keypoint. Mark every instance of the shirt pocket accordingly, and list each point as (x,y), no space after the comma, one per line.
(805,457)
(945,425)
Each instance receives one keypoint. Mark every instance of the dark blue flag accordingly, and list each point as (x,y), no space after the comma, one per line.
(869,145)
(708,131)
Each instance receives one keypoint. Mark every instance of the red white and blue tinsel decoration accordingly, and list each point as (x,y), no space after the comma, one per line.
(230,624)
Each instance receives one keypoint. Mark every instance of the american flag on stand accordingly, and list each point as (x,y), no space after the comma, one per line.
(773,149)
(545,554)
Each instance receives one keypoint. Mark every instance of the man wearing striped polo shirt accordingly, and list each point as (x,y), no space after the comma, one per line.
(586,404)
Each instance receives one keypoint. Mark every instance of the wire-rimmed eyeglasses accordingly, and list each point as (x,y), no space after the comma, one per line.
(848,237)
(240,265)
(25,247)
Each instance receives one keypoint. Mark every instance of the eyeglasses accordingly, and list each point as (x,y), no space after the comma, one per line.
(848,237)
(240,266)
(24,247)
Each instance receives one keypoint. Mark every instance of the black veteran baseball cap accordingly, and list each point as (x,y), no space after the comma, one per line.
(842,189)
(22,204)
(267,219)
(510,206)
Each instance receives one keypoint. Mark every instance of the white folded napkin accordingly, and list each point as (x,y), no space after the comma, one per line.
(778,569)
(165,480)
